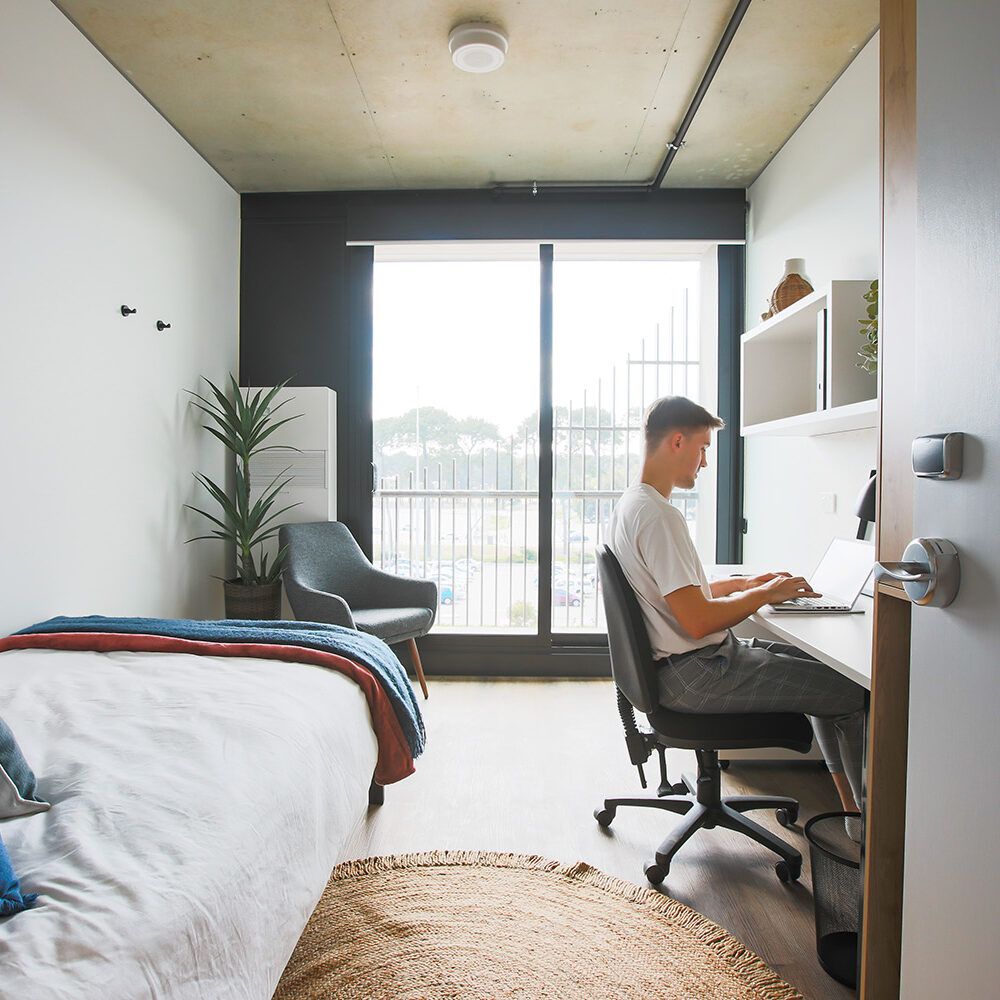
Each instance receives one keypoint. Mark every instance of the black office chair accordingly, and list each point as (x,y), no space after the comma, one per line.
(701,802)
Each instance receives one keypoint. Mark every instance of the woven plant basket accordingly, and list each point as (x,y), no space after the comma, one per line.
(253,602)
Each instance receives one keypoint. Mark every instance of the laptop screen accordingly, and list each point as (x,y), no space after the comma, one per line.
(842,572)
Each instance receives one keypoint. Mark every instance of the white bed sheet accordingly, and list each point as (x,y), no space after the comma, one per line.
(198,805)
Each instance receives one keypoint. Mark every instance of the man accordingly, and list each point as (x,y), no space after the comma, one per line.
(703,666)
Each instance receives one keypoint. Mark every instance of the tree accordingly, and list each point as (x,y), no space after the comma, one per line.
(438,438)
(472,432)
(394,433)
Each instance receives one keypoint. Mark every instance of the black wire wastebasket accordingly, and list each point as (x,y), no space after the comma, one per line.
(836,880)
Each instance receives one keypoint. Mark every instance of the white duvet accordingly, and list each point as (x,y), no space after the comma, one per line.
(198,805)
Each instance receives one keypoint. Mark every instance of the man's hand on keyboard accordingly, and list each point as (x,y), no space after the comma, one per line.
(759,581)
(787,588)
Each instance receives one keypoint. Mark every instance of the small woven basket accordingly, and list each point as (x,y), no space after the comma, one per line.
(789,290)
(792,287)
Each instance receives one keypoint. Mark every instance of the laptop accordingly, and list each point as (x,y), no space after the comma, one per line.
(839,578)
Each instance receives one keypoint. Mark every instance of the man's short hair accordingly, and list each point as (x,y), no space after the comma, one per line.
(676,413)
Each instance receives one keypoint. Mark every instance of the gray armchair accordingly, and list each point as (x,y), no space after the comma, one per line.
(329,579)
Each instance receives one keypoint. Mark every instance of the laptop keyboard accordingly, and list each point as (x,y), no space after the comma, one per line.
(816,604)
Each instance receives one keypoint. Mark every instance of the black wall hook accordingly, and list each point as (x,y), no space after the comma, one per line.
(161,326)
(126,311)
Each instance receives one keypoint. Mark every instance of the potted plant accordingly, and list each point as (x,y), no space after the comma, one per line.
(869,330)
(244,424)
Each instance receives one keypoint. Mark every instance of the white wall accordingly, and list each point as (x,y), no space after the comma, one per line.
(817,199)
(102,204)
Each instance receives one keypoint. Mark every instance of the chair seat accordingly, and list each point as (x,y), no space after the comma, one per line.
(789,730)
(393,625)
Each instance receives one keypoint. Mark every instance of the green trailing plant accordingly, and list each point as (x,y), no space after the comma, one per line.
(244,424)
(869,330)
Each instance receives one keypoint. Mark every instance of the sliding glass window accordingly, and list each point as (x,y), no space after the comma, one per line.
(457,398)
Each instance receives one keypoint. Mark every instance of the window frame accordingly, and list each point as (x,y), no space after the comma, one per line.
(552,653)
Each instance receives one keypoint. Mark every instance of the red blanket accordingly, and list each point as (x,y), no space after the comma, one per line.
(394,759)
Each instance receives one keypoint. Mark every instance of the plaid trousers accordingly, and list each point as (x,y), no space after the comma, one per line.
(753,675)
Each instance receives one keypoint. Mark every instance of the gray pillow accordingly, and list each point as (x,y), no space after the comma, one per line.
(17,782)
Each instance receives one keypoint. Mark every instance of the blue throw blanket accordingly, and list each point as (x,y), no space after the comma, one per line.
(12,900)
(358,646)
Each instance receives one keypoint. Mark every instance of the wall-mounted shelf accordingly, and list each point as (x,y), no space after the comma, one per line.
(850,417)
(799,376)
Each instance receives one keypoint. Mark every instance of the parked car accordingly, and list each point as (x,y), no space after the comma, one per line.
(449,590)
(561,597)
(559,581)
(446,595)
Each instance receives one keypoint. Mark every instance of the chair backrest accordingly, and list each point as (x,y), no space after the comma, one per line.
(631,654)
(323,555)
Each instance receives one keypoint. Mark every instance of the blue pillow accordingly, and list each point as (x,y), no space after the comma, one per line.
(12,900)
(17,782)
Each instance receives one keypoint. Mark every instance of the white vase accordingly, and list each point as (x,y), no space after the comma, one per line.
(796,265)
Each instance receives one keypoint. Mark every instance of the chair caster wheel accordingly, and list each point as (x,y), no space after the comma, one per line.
(679,789)
(724,765)
(604,816)
(656,873)
(787,816)
(788,871)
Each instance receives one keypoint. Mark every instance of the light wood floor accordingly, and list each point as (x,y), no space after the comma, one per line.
(521,765)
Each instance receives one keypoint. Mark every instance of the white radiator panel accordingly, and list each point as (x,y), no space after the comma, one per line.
(307,468)
(313,466)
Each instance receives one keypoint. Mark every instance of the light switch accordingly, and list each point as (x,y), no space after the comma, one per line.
(828,503)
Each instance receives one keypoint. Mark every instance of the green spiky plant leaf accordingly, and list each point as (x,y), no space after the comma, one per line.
(868,353)
(244,423)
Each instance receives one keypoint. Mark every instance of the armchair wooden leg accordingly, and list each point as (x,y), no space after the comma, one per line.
(415,656)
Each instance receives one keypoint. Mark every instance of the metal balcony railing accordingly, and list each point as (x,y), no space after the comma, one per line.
(480,546)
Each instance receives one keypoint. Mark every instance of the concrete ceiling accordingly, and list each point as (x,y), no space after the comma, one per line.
(306,95)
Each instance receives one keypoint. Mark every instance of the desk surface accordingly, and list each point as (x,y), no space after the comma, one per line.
(842,642)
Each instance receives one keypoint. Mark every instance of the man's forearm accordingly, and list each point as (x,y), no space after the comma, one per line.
(727,586)
(724,612)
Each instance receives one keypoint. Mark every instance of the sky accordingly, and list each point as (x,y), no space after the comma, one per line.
(463,336)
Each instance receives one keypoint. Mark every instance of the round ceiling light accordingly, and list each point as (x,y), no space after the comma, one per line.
(477,47)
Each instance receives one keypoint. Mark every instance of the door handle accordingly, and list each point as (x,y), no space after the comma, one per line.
(930,572)
(905,572)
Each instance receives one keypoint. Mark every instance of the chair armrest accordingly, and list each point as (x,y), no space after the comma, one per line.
(402,591)
(316,606)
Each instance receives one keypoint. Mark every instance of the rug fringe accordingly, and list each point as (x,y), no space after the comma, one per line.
(757,974)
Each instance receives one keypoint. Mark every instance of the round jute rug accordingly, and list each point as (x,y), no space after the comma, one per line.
(461,924)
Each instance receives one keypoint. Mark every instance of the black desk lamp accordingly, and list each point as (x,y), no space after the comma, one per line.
(864,506)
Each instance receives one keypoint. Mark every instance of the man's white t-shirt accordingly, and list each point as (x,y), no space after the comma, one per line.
(650,538)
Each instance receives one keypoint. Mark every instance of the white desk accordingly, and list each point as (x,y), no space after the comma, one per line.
(842,642)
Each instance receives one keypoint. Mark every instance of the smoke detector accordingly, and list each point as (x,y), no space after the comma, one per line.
(477,47)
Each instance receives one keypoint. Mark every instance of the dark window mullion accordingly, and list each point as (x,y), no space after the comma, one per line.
(729,517)
(545,445)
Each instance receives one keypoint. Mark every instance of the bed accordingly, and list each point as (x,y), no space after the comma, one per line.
(199,803)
